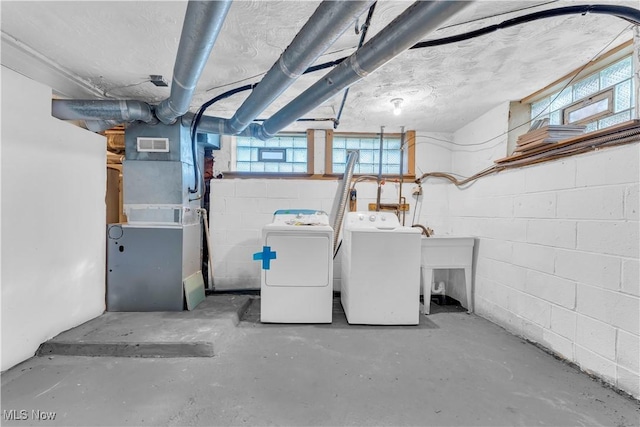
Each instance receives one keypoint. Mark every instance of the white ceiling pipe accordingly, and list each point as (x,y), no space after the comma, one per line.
(330,20)
(202,23)
(408,28)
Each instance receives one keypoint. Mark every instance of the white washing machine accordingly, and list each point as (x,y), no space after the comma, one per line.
(380,270)
(297,268)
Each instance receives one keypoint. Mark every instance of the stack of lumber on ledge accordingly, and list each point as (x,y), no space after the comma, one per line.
(549,134)
(619,134)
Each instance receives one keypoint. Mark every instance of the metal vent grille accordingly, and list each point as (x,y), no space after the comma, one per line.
(153,145)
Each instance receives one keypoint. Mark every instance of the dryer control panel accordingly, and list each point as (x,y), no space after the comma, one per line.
(300,217)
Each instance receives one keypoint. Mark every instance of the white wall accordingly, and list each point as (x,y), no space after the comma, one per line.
(557,253)
(53,216)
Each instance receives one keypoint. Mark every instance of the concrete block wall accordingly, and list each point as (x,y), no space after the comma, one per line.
(240,208)
(557,255)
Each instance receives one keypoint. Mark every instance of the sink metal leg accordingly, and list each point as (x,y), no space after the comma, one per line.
(427,279)
(467,281)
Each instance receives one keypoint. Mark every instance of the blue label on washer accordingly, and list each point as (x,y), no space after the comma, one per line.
(266,256)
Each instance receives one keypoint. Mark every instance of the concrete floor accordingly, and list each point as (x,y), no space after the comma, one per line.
(452,369)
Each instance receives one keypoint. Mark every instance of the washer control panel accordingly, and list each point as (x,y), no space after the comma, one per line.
(382,220)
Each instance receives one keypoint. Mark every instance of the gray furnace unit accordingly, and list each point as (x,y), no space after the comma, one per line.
(149,257)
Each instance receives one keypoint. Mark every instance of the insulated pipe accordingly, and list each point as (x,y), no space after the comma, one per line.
(344,197)
(100,125)
(202,23)
(122,111)
(323,28)
(413,24)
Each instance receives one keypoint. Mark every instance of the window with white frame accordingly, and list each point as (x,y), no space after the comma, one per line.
(600,100)
(284,153)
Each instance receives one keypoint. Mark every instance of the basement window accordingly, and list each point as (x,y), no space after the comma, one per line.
(368,147)
(286,153)
(602,99)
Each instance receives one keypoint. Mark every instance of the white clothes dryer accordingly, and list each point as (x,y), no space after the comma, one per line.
(297,268)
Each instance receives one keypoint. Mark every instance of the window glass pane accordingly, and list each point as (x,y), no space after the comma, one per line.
(339,167)
(298,167)
(376,157)
(244,154)
(614,120)
(299,155)
(555,118)
(392,157)
(273,142)
(589,110)
(537,108)
(563,99)
(271,167)
(254,154)
(622,97)
(586,87)
(338,143)
(366,169)
(369,144)
(393,144)
(353,144)
(243,166)
(616,73)
(257,167)
(591,127)
(366,156)
(285,167)
(339,156)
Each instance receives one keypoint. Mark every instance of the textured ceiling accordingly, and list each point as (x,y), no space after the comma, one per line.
(114,46)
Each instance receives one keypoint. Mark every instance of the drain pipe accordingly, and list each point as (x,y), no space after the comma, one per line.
(344,197)
(202,23)
(330,20)
(408,28)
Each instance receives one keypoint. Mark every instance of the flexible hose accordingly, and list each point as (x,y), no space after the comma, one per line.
(346,184)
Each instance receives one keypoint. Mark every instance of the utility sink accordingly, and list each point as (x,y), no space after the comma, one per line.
(446,252)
